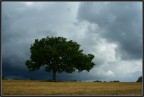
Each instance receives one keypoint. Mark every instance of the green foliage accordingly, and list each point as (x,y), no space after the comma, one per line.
(57,54)
(139,79)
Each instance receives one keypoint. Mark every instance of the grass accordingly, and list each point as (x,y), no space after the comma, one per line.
(35,87)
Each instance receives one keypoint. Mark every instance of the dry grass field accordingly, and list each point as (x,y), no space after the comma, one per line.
(32,87)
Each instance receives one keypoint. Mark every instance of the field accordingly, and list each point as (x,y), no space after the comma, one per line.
(32,87)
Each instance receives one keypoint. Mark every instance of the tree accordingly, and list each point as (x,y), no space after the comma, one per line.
(97,81)
(57,54)
(139,79)
(116,81)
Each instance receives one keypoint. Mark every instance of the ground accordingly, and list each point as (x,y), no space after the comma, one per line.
(34,87)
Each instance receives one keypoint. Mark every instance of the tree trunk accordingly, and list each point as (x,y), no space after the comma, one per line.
(54,76)
(54,70)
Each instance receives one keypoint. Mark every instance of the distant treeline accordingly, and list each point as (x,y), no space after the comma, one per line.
(107,81)
(138,80)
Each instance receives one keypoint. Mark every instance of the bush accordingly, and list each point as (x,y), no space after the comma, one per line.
(4,78)
(116,81)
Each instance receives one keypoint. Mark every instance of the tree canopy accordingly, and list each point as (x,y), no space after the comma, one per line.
(57,54)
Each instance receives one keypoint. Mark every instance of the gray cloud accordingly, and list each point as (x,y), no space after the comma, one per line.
(121,23)
(107,30)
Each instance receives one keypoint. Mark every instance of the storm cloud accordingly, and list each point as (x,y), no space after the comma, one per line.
(112,31)
(121,23)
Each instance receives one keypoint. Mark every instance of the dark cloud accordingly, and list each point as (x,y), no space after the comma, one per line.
(121,23)
(12,72)
(21,25)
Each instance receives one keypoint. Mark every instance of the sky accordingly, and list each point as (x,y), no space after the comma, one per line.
(111,31)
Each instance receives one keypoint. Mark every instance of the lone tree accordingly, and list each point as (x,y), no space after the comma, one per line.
(57,54)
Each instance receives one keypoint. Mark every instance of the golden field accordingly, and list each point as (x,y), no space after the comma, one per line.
(34,87)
